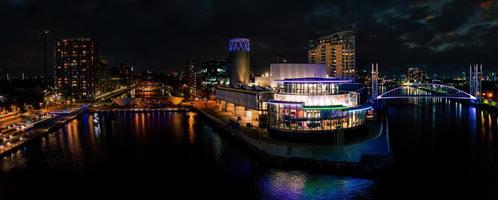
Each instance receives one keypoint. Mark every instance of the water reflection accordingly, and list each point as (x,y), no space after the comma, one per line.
(449,135)
(473,124)
(73,138)
(462,137)
(15,159)
(278,184)
(191,123)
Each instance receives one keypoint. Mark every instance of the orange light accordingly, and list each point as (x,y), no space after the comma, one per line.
(490,95)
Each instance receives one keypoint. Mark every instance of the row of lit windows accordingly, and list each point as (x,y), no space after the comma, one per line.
(308,88)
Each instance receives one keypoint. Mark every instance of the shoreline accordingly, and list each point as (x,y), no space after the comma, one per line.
(43,127)
(47,126)
(277,155)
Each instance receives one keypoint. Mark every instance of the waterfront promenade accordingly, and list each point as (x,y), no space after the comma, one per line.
(19,136)
(366,154)
(15,137)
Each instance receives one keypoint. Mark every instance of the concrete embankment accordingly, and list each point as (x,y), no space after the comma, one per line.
(289,155)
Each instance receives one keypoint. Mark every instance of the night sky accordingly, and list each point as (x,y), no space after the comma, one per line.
(444,35)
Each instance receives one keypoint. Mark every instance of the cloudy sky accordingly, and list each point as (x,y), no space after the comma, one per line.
(442,35)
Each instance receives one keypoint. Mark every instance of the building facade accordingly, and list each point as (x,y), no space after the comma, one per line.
(75,68)
(121,75)
(280,71)
(314,106)
(248,105)
(191,78)
(212,73)
(190,75)
(239,51)
(416,75)
(102,77)
(337,51)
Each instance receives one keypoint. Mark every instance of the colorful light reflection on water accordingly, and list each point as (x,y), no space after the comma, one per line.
(453,138)
(281,184)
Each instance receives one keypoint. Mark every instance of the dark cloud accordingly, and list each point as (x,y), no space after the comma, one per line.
(162,35)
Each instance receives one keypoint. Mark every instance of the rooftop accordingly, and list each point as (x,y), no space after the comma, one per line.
(246,89)
(315,80)
(338,34)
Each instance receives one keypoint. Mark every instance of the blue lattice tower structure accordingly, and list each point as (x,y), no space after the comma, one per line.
(239,50)
(375,81)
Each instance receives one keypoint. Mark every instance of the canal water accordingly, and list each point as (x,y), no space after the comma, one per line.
(441,148)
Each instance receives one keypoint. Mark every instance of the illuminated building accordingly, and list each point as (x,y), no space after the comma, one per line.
(191,77)
(102,80)
(280,59)
(416,75)
(190,74)
(492,76)
(122,75)
(239,50)
(247,104)
(337,51)
(315,106)
(75,62)
(212,73)
(279,71)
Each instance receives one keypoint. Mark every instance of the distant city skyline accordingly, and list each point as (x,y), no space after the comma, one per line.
(445,36)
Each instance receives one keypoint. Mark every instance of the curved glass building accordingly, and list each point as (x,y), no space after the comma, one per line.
(315,106)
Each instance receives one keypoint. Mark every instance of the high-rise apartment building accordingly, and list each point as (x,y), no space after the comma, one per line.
(337,51)
(75,68)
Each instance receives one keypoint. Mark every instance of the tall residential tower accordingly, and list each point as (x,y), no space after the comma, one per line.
(337,51)
(75,63)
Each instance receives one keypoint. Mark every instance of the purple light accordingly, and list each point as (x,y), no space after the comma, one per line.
(467,95)
(426,96)
(239,44)
(359,108)
(284,102)
(315,80)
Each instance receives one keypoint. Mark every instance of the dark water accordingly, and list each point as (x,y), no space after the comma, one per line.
(441,149)
(156,154)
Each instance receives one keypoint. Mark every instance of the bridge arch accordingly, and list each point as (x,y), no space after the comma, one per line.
(431,90)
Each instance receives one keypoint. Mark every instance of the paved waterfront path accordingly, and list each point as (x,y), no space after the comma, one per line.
(375,144)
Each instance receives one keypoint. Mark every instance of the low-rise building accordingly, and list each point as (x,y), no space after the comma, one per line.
(280,71)
(245,103)
(304,107)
